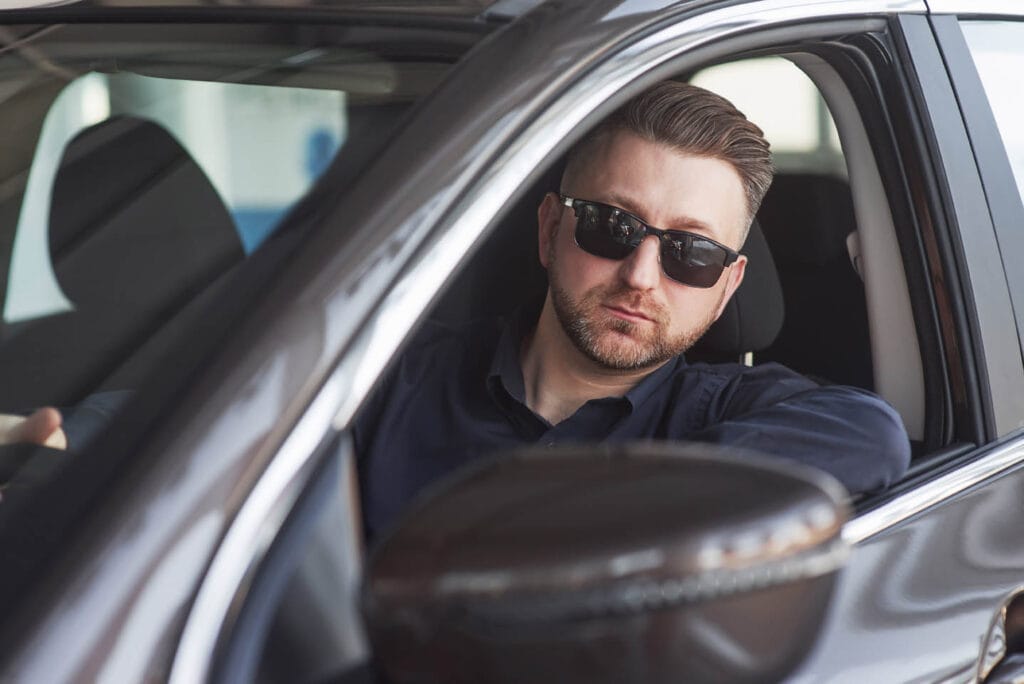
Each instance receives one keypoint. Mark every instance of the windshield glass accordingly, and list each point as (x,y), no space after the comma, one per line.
(144,165)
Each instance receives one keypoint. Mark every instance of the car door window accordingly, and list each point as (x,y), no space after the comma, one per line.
(998,51)
(872,210)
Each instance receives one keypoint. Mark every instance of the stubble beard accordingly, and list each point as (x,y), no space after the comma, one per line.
(618,344)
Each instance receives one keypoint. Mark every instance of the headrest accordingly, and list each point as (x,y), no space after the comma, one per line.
(807,217)
(753,317)
(135,219)
(136,231)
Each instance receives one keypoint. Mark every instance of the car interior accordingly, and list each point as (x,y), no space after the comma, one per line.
(824,292)
(111,283)
(128,255)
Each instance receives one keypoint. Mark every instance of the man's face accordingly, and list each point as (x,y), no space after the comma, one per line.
(628,315)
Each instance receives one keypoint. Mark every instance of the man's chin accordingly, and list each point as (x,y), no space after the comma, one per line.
(622,352)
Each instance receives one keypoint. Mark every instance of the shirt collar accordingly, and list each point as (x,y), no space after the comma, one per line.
(507,371)
(505,367)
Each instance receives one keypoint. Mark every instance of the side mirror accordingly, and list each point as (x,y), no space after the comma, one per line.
(648,562)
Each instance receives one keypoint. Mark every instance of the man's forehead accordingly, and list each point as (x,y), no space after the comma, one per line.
(677,221)
(664,186)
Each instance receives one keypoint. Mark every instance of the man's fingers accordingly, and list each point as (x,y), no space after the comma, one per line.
(41,427)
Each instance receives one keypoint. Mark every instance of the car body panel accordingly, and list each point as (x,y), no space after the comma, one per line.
(919,594)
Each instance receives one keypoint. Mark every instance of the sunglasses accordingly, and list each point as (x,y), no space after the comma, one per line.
(613,233)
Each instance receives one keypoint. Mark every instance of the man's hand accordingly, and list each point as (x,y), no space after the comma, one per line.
(42,427)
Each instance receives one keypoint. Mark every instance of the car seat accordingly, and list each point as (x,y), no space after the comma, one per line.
(807,219)
(136,232)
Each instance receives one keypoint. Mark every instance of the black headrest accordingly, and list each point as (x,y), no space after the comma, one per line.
(807,217)
(753,317)
(136,232)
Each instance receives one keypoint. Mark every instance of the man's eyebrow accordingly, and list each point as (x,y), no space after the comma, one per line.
(678,223)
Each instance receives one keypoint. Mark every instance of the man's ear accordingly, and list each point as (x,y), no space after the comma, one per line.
(549,216)
(734,277)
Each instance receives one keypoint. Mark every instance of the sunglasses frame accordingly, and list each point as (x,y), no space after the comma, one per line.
(731,255)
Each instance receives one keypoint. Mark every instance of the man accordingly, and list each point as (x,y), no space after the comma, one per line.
(640,249)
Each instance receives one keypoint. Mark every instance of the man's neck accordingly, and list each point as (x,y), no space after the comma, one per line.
(559,378)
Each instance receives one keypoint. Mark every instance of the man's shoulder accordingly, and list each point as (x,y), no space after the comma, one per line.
(734,388)
(436,344)
(737,389)
(473,333)
(740,375)
(438,357)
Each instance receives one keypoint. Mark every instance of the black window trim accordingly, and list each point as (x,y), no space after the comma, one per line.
(995,171)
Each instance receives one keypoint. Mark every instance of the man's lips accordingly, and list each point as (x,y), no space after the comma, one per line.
(632,315)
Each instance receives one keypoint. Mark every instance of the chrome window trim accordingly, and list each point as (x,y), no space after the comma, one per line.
(978,8)
(929,494)
(263,512)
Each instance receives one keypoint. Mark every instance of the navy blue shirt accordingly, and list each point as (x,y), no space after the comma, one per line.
(458,395)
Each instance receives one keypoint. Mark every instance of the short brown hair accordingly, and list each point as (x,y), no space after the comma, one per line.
(692,120)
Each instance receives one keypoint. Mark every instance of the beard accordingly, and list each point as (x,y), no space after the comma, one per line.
(618,344)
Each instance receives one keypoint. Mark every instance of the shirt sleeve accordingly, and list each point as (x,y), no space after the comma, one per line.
(850,433)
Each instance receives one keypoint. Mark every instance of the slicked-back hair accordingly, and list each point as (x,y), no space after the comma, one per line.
(695,121)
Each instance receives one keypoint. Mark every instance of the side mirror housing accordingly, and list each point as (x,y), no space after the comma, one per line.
(649,562)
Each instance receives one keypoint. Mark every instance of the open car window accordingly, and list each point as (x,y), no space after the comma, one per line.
(853,312)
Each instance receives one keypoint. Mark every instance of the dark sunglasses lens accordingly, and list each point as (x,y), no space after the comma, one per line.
(692,261)
(606,232)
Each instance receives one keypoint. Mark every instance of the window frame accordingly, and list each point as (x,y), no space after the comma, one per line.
(1005,204)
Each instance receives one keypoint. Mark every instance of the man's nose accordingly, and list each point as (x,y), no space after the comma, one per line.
(641,270)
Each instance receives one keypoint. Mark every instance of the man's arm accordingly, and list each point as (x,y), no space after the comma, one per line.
(78,425)
(852,434)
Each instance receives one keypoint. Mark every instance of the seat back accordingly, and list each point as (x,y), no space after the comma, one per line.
(806,219)
(136,232)
(753,317)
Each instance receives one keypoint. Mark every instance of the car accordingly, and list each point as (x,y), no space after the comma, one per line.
(222,222)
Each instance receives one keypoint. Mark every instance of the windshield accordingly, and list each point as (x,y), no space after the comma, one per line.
(144,165)
(105,128)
